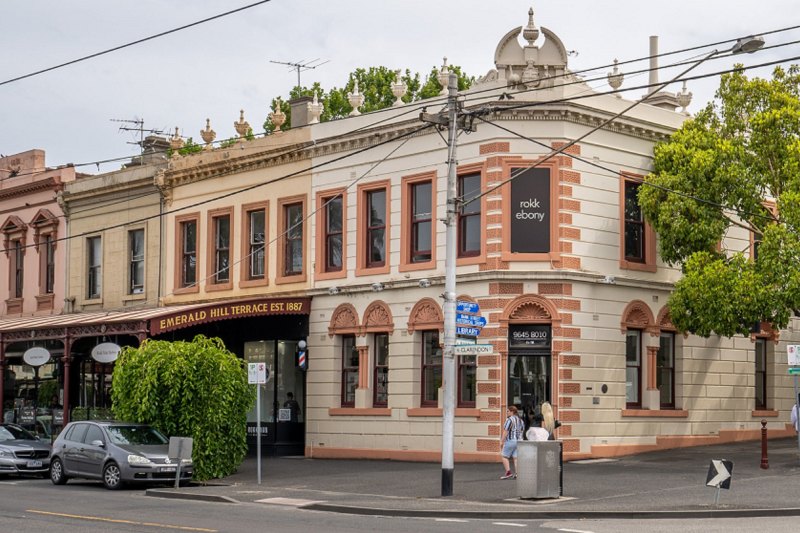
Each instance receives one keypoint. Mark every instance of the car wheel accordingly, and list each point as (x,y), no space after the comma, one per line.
(112,477)
(57,475)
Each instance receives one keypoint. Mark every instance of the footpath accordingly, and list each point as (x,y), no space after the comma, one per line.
(665,484)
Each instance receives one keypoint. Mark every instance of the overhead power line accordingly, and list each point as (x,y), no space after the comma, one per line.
(132,43)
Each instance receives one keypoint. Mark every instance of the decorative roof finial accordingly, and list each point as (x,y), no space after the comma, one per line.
(242,127)
(398,88)
(443,77)
(208,135)
(615,78)
(176,143)
(277,117)
(356,100)
(684,98)
(531,32)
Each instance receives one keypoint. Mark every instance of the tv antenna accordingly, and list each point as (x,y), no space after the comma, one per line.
(139,123)
(301,66)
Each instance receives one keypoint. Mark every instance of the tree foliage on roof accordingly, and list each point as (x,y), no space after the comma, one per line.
(375,84)
(726,182)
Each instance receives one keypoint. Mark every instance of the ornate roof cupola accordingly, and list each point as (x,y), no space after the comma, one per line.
(537,64)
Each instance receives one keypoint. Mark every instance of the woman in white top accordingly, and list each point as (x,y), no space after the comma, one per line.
(536,431)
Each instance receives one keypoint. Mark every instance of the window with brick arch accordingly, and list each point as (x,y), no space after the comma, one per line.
(467,379)
(633,368)
(665,370)
(350,361)
(380,354)
(431,368)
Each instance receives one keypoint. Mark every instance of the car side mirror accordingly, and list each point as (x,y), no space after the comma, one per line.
(99,443)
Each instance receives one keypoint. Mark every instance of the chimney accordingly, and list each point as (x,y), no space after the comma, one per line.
(662,99)
(299,111)
(653,63)
(154,151)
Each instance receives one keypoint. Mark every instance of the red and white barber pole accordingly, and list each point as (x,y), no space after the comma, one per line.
(302,360)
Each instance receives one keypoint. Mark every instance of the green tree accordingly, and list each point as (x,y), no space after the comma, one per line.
(197,389)
(375,84)
(736,165)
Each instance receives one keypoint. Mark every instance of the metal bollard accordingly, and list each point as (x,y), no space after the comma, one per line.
(764,459)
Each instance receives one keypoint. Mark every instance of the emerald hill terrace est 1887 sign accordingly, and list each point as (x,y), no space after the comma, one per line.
(530,210)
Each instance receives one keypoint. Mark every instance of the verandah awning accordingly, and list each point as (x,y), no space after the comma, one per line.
(154,320)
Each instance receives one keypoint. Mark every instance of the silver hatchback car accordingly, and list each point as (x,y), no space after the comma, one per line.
(116,453)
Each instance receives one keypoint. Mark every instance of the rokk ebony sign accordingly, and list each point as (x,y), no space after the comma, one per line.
(530,210)
(229,311)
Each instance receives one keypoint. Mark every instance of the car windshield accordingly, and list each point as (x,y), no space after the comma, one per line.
(14,432)
(135,435)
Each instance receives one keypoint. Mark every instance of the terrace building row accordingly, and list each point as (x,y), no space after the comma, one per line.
(330,234)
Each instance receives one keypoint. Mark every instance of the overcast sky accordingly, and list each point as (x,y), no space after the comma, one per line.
(215,69)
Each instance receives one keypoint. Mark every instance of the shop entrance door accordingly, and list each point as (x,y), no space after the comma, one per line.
(529,367)
(282,399)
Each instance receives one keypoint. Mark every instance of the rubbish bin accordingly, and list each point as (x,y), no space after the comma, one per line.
(539,469)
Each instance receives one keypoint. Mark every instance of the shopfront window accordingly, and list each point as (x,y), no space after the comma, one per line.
(32,395)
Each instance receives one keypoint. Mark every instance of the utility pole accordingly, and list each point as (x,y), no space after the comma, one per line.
(450,221)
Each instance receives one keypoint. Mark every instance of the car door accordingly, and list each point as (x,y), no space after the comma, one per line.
(71,448)
(93,451)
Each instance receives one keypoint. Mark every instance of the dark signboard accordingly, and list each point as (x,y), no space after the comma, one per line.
(530,210)
(27,415)
(229,310)
(523,337)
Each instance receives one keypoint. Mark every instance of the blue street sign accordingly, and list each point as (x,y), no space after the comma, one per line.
(469,332)
(470,320)
(467,307)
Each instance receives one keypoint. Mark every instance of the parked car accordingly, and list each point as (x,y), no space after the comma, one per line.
(115,453)
(21,452)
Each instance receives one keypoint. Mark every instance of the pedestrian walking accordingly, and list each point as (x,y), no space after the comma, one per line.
(795,423)
(512,432)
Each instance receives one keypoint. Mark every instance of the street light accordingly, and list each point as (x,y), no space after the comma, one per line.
(748,45)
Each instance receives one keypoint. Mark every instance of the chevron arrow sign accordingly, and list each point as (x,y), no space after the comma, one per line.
(719,474)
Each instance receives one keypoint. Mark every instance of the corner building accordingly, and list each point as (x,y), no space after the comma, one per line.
(556,255)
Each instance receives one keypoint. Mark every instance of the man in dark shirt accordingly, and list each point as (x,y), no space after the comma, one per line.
(292,404)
